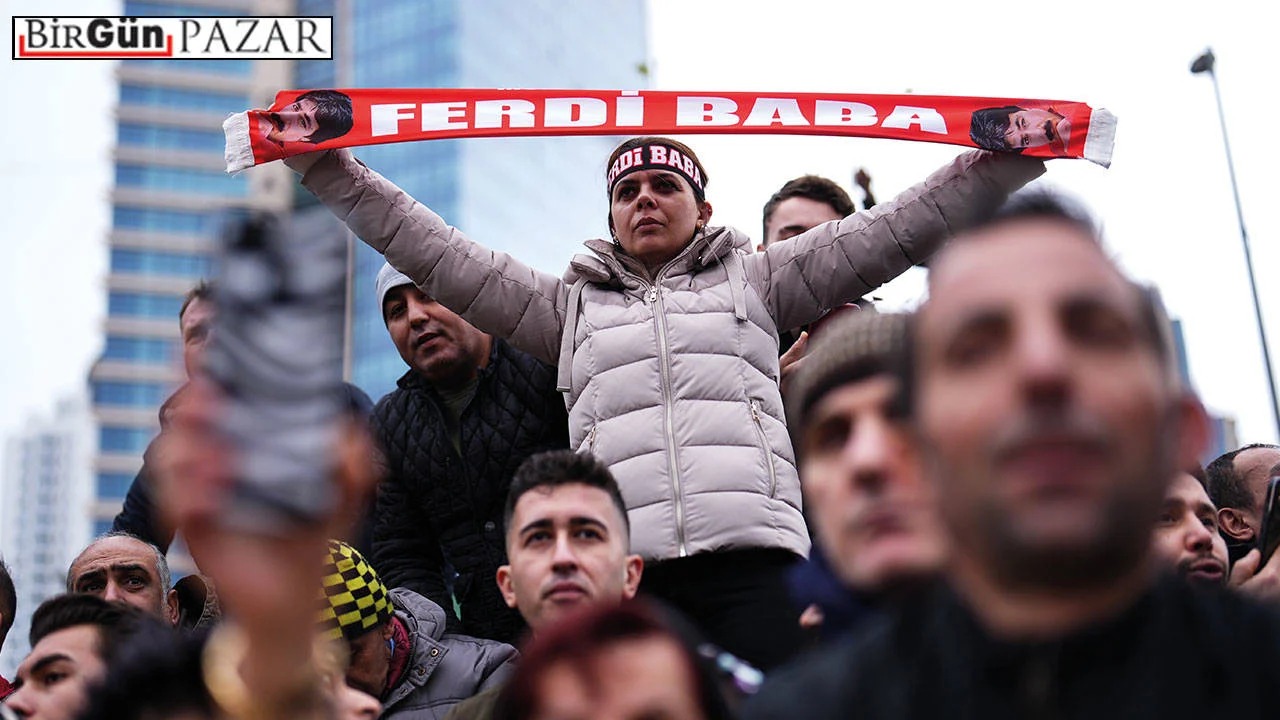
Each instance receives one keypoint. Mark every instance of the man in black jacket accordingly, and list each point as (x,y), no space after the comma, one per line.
(470,409)
(1045,391)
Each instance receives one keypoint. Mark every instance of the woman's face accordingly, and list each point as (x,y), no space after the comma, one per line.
(655,214)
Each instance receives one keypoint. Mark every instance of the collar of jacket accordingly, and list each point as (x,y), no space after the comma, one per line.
(425,622)
(412,379)
(609,265)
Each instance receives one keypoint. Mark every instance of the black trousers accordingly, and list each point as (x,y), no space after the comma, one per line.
(737,598)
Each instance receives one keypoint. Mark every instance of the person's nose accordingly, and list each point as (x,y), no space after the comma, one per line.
(21,702)
(1044,363)
(419,312)
(564,557)
(112,592)
(1197,536)
(868,453)
(644,195)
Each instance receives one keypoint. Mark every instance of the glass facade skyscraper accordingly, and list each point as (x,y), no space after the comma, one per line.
(535,198)
(169,186)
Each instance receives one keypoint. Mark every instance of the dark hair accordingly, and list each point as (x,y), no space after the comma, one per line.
(1048,205)
(636,142)
(155,673)
(1197,471)
(8,601)
(113,620)
(202,291)
(987,128)
(333,114)
(810,187)
(554,468)
(579,640)
(1227,488)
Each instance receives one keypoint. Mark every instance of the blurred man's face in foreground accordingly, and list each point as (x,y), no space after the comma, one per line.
(54,679)
(1187,537)
(1050,421)
(872,512)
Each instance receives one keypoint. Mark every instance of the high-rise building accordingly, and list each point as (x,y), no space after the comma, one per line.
(169,186)
(44,507)
(535,198)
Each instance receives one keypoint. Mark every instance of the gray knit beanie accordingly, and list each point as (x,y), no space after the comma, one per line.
(851,347)
(388,278)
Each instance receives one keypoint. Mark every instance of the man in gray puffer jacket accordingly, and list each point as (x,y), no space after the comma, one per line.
(400,653)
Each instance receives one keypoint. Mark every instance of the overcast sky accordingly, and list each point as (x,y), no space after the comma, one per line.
(1166,201)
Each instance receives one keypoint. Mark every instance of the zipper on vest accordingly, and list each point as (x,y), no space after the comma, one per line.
(664,363)
(764,445)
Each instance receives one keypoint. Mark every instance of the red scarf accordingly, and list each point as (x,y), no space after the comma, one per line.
(301,121)
(400,656)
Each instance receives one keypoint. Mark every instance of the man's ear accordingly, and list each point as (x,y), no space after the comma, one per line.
(506,586)
(1235,525)
(171,610)
(633,569)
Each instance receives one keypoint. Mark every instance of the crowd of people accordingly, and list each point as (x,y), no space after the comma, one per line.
(695,479)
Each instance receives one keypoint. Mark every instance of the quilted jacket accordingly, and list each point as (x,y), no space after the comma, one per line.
(672,380)
(436,508)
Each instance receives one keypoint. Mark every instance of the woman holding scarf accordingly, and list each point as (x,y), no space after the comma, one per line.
(666,341)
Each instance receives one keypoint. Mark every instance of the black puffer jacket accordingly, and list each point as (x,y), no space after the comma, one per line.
(436,508)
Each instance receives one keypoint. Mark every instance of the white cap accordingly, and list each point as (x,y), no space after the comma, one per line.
(388,278)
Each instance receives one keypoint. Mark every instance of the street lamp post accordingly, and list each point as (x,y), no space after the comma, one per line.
(1205,64)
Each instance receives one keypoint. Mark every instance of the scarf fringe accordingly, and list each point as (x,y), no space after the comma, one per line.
(239,153)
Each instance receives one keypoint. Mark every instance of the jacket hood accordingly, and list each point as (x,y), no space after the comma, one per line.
(609,265)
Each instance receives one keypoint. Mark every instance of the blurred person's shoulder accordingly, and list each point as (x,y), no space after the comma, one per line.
(839,678)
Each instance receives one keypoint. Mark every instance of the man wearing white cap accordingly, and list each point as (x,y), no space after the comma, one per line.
(470,409)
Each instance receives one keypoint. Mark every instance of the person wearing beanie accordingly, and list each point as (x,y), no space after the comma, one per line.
(878,537)
(665,339)
(400,652)
(460,421)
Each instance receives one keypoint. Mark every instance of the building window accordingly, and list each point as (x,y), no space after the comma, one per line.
(163,137)
(129,394)
(131,304)
(163,221)
(154,262)
(113,486)
(124,440)
(181,180)
(146,350)
(183,99)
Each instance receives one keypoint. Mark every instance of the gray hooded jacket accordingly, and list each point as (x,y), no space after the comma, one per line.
(443,670)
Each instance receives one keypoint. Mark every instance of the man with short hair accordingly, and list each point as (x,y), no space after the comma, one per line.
(400,652)
(138,516)
(119,567)
(1047,398)
(800,204)
(469,410)
(1237,484)
(868,505)
(8,606)
(72,637)
(1186,539)
(569,547)
(312,117)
